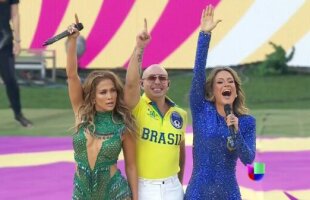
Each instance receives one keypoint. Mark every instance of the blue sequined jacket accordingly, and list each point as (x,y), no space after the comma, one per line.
(214,170)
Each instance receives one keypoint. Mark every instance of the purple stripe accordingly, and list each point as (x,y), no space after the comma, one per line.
(51,15)
(177,22)
(189,129)
(26,144)
(48,182)
(291,197)
(280,166)
(284,171)
(54,181)
(281,169)
(111,16)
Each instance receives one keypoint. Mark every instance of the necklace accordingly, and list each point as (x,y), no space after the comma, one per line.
(107,124)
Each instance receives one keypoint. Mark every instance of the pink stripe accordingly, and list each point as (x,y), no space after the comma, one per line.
(51,14)
(111,16)
(178,21)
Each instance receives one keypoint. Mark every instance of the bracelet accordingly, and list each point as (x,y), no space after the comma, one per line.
(17,41)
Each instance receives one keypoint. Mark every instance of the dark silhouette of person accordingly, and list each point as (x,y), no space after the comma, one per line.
(9,47)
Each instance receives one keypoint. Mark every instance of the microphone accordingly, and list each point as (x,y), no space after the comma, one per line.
(232,137)
(78,26)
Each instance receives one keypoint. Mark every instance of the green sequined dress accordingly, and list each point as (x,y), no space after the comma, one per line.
(97,183)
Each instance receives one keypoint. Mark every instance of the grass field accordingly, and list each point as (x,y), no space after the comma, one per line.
(272,92)
(59,122)
(281,105)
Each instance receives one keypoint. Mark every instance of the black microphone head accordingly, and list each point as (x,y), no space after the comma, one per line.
(227,109)
(79,26)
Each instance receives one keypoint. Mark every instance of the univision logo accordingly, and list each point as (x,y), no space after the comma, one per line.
(257,172)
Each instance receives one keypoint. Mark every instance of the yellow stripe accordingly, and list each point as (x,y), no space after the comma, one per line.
(229,12)
(120,47)
(291,32)
(87,12)
(300,194)
(250,194)
(38,158)
(283,144)
(272,145)
(29,17)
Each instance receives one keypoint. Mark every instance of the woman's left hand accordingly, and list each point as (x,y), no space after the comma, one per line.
(207,24)
(231,119)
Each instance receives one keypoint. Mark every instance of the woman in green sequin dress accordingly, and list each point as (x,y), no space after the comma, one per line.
(103,127)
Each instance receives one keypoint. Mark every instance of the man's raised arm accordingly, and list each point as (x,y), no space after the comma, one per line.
(132,85)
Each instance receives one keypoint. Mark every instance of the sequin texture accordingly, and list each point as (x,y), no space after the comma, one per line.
(97,183)
(214,170)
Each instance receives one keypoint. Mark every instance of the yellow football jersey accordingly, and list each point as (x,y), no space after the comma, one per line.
(159,138)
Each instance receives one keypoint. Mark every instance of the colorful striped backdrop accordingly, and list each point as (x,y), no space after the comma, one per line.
(111,27)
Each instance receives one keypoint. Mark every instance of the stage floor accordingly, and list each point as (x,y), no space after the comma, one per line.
(43,167)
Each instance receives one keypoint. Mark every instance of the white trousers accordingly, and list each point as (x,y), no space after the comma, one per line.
(160,189)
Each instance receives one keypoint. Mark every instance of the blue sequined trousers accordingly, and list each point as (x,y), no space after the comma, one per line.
(214,170)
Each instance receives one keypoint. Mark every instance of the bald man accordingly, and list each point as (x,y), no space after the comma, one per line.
(161,128)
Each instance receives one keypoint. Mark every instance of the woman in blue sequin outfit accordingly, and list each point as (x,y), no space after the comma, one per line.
(214,170)
(104,126)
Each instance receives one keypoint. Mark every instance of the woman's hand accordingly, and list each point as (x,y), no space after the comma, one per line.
(74,33)
(231,119)
(207,24)
(144,37)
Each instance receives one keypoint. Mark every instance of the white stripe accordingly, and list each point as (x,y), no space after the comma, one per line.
(302,50)
(261,21)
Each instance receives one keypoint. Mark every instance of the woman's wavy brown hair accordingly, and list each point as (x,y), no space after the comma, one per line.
(239,106)
(87,110)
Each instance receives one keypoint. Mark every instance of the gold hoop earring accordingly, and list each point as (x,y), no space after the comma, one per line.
(212,98)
